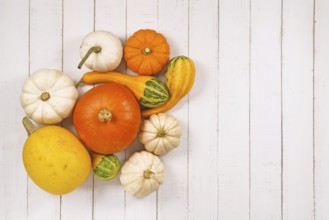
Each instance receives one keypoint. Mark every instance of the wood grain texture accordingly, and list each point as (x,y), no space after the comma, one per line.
(15,60)
(265,110)
(321,109)
(297,109)
(233,110)
(173,195)
(202,115)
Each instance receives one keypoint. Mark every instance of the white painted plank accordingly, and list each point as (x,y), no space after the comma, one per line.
(173,194)
(111,16)
(109,196)
(45,34)
(321,110)
(202,116)
(265,110)
(45,52)
(297,97)
(78,21)
(15,69)
(233,111)
(140,15)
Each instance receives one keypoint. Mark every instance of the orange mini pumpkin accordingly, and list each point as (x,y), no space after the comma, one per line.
(107,118)
(146,52)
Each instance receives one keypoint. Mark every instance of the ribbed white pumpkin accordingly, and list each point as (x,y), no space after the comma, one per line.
(160,133)
(142,174)
(106,53)
(48,96)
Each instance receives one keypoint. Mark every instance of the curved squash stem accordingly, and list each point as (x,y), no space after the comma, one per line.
(78,83)
(94,49)
(28,125)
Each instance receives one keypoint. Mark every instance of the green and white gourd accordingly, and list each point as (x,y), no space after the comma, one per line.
(155,93)
(105,167)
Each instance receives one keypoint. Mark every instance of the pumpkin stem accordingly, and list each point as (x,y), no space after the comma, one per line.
(148,174)
(28,125)
(45,96)
(161,133)
(104,115)
(94,49)
(147,51)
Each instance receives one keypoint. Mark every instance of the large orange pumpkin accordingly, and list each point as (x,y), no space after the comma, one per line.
(107,118)
(146,52)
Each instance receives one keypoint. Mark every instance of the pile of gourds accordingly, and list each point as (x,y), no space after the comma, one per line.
(108,117)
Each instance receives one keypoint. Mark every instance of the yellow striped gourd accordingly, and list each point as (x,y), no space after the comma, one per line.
(179,76)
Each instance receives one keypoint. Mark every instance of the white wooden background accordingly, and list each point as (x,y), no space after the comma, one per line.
(256,124)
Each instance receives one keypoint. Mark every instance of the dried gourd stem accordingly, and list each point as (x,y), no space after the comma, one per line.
(104,115)
(148,174)
(45,96)
(28,125)
(161,133)
(147,51)
(94,49)
(78,83)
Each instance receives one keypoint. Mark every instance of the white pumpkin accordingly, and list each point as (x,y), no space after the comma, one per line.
(48,96)
(160,133)
(101,51)
(142,174)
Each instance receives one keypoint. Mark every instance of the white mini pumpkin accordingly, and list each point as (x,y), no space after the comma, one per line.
(160,133)
(142,174)
(48,96)
(101,51)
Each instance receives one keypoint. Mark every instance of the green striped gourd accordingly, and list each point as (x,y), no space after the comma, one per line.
(105,167)
(149,91)
(179,76)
